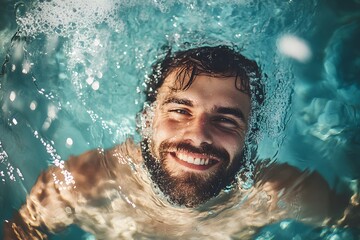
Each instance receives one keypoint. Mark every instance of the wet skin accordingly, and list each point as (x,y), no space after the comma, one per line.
(187,126)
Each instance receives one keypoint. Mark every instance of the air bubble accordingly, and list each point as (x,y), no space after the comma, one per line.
(26,67)
(58,31)
(12,96)
(95,86)
(89,80)
(20,10)
(68,210)
(69,142)
(52,112)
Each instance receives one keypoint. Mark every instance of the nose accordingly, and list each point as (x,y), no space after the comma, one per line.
(198,131)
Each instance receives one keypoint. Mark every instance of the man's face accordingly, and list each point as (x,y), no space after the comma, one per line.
(197,137)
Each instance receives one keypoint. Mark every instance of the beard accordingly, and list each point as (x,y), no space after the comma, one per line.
(189,189)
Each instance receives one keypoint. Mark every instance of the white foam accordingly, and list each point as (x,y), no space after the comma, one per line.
(65,16)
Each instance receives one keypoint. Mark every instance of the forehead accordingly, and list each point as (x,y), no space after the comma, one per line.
(181,78)
(206,90)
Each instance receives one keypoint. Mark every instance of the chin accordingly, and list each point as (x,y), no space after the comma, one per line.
(184,186)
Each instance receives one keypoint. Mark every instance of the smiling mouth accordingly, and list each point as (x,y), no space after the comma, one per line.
(195,161)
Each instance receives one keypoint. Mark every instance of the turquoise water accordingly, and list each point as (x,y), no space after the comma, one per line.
(74,72)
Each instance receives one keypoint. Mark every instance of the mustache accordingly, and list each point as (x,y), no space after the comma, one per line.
(205,148)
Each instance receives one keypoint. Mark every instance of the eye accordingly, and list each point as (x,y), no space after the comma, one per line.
(226,122)
(180,111)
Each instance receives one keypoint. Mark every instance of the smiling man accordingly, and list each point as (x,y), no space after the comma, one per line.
(201,114)
(194,127)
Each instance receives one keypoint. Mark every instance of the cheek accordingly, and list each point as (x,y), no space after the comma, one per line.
(233,144)
(163,130)
(235,148)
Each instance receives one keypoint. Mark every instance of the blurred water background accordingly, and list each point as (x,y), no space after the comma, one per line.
(73,72)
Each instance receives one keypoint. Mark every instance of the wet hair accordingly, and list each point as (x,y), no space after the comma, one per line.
(219,61)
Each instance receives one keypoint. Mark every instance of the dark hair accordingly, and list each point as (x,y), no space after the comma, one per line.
(221,61)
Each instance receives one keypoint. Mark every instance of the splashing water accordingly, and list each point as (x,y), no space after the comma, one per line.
(74,71)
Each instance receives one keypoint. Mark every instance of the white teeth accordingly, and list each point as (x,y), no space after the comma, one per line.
(196,161)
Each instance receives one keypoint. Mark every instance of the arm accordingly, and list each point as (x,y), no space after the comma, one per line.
(43,211)
(52,202)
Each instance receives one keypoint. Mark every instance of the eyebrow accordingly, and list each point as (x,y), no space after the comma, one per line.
(182,101)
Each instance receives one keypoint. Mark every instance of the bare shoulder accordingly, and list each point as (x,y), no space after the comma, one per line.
(307,190)
(63,192)
(285,176)
(102,165)
(99,157)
